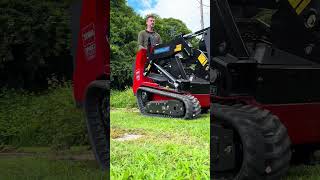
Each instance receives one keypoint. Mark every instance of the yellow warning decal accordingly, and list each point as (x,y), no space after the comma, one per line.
(294,3)
(302,6)
(178,48)
(202,59)
(149,66)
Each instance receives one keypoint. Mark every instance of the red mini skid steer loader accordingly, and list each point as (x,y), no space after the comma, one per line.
(91,85)
(172,79)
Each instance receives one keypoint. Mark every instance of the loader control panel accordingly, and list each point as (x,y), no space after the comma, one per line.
(170,49)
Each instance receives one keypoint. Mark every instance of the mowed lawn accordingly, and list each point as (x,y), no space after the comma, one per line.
(167,149)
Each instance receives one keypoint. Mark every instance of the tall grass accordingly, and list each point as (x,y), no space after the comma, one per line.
(49,118)
(123,99)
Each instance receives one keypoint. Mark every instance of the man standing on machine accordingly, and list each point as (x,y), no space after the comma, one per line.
(144,35)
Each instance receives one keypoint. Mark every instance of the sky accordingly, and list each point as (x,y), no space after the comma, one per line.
(188,11)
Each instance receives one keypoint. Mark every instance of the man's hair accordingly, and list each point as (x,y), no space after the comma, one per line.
(150,16)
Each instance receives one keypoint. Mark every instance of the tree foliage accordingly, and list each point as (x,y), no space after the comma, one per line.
(34,39)
(168,28)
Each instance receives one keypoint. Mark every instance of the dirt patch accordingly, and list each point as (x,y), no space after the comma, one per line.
(125,109)
(120,132)
(128,137)
(132,110)
(7,149)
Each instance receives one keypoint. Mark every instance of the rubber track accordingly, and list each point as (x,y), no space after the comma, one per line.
(97,119)
(192,104)
(277,142)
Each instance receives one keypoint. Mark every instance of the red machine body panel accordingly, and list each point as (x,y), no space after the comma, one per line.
(139,78)
(92,51)
(302,121)
(204,100)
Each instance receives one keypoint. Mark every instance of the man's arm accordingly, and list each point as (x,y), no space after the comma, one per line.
(141,40)
(160,40)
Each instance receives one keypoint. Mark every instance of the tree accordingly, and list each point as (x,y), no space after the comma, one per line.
(34,34)
(168,28)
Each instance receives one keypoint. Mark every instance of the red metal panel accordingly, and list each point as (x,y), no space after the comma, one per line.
(204,100)
(302,121)
(92,58)
(157,97)
(139,78)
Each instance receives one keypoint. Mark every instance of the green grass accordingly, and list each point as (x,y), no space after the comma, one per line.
(43,164)
(303,173)
(49,118)
(169,148)
(123,99)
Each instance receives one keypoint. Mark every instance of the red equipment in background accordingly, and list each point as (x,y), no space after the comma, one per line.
(92,47)
(91,80)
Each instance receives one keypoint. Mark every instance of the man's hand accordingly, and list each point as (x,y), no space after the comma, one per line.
(141,47)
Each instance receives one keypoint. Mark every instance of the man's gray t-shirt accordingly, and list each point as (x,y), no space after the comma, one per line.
(143,38)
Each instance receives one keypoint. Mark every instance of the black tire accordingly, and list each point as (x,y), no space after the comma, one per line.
(265,147)
(97,110)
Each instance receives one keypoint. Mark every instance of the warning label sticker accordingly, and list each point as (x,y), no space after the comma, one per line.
(88,39)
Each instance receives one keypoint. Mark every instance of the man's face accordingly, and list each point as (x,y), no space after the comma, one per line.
(150,22)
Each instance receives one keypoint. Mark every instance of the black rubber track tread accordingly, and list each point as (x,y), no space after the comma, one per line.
(97,119)
(252,145)
(191,103)
(275,140)
(276,136)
